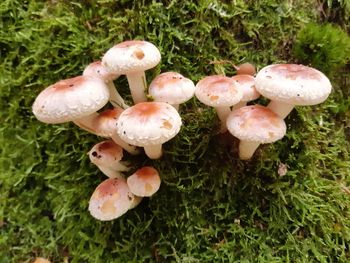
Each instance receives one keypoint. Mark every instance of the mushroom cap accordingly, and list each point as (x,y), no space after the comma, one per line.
(106,153)
(111,199)
(106,122)
(293,84)
(148,123)
(256,123)
(97,70)
(70,99)
(144,182)
(218,91)
(131,56)
(172,88)
(246,69)
(247,85)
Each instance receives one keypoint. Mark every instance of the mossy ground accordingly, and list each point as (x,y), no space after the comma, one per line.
(211,207)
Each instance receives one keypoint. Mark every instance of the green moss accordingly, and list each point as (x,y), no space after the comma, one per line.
(211,207)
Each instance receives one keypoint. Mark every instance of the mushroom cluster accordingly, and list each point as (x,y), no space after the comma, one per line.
(92,102)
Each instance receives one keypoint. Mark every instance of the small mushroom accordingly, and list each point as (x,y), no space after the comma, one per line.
(172,88)
(132,58)
(97,70)
(107,157)
(219,92)
(149,125)
(245,69)
(111,199)
(144,182)
(254,125)
(246,83)
(288,85)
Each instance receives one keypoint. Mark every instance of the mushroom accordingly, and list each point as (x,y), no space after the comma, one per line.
(111,199)
(172,88)
(254,125)
(288,85)
(219,92)
(107,157)
(97,70)
(75,99)
(245,69)
(132,58)
(144,182)
(247,85)
(41,260)
(149,125)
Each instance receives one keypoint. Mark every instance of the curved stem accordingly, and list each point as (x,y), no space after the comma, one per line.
(247,149)
(114,96)
(280,108)
(223,112)
(111,173)
(138,86)
(154,151)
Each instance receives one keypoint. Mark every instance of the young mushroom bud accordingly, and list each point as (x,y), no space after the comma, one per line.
(288,85)
(107,157)
(254,125)
(97,70)
(172,88)
(245,69)
(144,182)
(132,58)
(111,199)
(149,125)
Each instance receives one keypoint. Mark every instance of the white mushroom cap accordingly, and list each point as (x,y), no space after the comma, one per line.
(148,123)
(131,56)
(106,153)
(256,123)
(293,84)
(70,99)
(111,199)
(97,70)
(172,88)
(144,182)
(218,91)
(246,83)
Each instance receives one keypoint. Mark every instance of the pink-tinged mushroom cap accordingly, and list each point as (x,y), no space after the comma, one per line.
(144,182)
(218,91)
(106,122)
(131,56)
(256,124)
(97,70)
(111,199)
(172,88)
(246,83)
(293,84)
(106,153)
(70,99)
(148,123)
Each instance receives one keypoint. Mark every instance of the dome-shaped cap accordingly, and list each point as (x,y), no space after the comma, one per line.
(246,83)
(111,199)
(171,87)
(218,91)
(106,122)
(256,123)
(144,182)
(70,99)
(293,84)
(97,70)
(106,153)
(131,56)
(148,123)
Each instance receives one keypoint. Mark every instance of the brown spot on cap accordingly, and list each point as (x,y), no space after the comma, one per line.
(138,53)
(148,188)
(213,98)
(167,125)
(108,206)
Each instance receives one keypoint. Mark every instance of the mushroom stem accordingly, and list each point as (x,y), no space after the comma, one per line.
(87,122)
(153,151)
(127,147)
(247,149)
(280,108)
(111,173)
(176,106)
(239,105)
(114,96)
(138,86)
(223,112)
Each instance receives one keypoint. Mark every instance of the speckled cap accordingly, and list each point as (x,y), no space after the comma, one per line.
(144,182)
(97,70)
(246,83)
(106,153)
(256,123)
(218,91)
(293,84)
(111,199)
(70,99)
(148,123)
(131,56)
(172,88)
